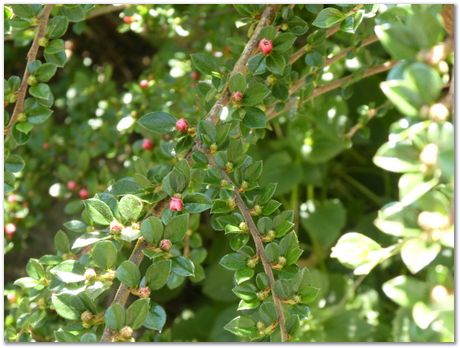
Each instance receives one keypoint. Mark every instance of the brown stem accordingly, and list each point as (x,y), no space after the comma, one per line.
(31,56)
(123,292)
(263,258)
(99,11)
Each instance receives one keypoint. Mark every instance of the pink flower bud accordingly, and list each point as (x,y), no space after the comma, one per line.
(116,227)
(144,84)
(265,46)
(176,204)
(12,198)
(144,292)
(147,144)
(10,230)
(71,185)
(83,193)
(182,125)
(165,245)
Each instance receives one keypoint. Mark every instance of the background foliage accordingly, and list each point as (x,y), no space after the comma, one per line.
(341,147)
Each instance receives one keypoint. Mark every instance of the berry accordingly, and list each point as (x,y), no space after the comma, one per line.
(237,97)
(144,84)
(165,245)
(10,230)
(265,46)
(182,125)
(147,144)
(46,146)
(128,19)
(72,185)
(83,193)
(176,204)
(12,198)
(195,75)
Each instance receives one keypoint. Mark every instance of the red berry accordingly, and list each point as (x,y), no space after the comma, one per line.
(12,198)
(46,146)
(265,46)
(195,75)
(128,19)
(10,230)
(237,97)
(176,204)
(182,125)
(83,193)
(144,84)
(165,245)
(72,185)
(147,144)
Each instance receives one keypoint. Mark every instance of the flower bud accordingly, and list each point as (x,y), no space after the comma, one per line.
(32,80)
(229,167)
(144,292)
(176,204)
(22,117)
(86,316)
(257,210)
(213,148)
(243,226)
(115,227)
(11,297)
(182,125)
(231,203)
(165,245)
(237,97)
(252,262)
(90,274)
(136,226)
(126,332)
(438,112)
(429,155)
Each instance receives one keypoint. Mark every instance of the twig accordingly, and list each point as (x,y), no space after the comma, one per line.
(31,56)
(263,257)
(99,11)
(271,113)
(343,53)
(372,113)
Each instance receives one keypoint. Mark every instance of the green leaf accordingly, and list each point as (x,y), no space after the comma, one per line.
(197,203)
(114,316)
(14,163)
(237,83)
(26,10)
(57,26)
(160,122)
(98,211)
(88,337)
(359,252)
(242,327)
(137,313)
(205,63)
(245,291)
(104,254)
(183,266)
(34,269)
(324,221)
(233,262)
(156,318)
(398,40)
(255,94)
(130,207)
(276,63)
(328,17)
(26,282)
(254,118)
(40,91)
(67,306)
(419,76)
(268,32)
(69,271)
(24,127)
(45,72)
(36,113)
(283,42)
(128,273)
(176,228)
(59,59)
(157,274)
(61,241)
(417,253)
(55,47)
(405,291)
(152,230)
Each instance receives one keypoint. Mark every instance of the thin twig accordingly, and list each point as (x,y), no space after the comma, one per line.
(343,53)
(263,258)
(99,11)
(31,56)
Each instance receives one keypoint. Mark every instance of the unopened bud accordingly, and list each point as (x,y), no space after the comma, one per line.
(213,148)
(438,112)
(86,316)
(229,167)
(126,332)
(90,274)
(31,80)
(144,292)
(429,155)
(243,226)
(231,203)
(116,227)
(165,245)
(257,210)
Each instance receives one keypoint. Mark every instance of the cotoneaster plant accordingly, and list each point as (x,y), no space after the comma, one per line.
(140,236)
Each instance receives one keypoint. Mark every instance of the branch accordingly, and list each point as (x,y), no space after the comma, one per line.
(263,257)
(31,56)
(137,254)
(271,113)
(99,11)
(343,53)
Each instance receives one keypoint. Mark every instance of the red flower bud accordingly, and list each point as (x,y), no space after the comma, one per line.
(83,193)
(237,96)
(71,185)
(144,292)
(265,46)
(176,204)
(147,144)
(144,84)
(182,125)
(165,245)
(10,230)
(128,19)
(116,227)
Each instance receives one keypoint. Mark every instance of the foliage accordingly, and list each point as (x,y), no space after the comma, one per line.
(224,192)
